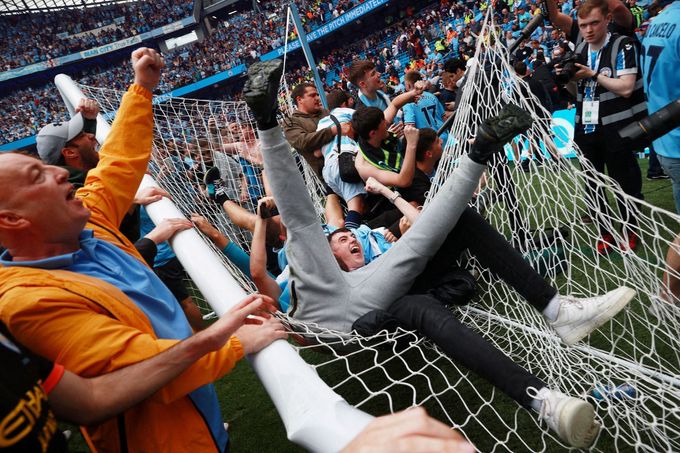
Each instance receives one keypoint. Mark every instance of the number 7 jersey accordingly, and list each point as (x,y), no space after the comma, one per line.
(427,112)
(660,60)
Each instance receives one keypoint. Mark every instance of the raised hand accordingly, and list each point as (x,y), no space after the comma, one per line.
(411,133)
(147,64)
(396,129)
(255,337)
(374,186)
(167,229)
(205,227)
(410,431)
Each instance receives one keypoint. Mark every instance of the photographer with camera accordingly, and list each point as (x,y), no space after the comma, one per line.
(609,96)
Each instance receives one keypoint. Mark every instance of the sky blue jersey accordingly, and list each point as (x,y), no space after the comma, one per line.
(660,60)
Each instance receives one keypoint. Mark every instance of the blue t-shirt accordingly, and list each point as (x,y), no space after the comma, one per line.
(427,112)
(660,60)
(253,175)
(381,100)
(524,19)
(343,115)
(102,260)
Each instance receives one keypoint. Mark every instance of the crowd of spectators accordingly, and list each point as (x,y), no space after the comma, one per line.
(240,39)
(411,39)
(73,30)
(32,38)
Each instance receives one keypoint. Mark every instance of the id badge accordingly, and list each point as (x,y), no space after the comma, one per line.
(591,112)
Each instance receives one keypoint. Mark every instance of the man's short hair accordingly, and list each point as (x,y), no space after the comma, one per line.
(336,98)
(367,119)
(589,5)
(337,231)
(412,76)
(300,89)
(358,69)
(453,65)
(520,68)
(426,137)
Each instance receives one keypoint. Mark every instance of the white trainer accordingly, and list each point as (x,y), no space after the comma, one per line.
(578,317)
(571,418)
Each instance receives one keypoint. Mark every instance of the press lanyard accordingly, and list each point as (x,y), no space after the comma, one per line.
(596,66)
(591,105)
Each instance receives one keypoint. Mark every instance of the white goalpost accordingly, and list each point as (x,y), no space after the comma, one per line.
(540,211)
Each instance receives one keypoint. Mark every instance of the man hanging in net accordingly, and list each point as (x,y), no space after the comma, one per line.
(335,299)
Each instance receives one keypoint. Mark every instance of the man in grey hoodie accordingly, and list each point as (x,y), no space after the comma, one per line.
(326,295)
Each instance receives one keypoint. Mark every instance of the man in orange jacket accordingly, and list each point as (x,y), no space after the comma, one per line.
(74,290)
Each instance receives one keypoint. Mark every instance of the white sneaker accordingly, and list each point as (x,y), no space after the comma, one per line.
(578,317)
(571,418)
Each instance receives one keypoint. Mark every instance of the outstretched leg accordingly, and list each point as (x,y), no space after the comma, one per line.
(313,266)
(392,275)
(493,252)
(571,418)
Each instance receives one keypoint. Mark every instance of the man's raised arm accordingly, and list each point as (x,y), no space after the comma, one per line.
(110,187)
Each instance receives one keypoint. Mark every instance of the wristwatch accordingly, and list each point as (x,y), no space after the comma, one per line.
(394,197)
(594,78)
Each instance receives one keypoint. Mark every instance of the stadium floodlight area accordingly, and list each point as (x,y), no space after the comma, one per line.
(8,7)
(639,348)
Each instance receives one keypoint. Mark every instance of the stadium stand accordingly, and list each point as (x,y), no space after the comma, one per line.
(435,39)
(70,31)
(261,32)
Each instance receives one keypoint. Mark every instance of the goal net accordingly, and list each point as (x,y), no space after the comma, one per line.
(392,371)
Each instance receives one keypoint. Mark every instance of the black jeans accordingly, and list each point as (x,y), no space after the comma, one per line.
(492,250)
(431,318)
(654,168)
(602,149)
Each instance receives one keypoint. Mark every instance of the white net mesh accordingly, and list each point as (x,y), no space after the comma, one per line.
(640,347)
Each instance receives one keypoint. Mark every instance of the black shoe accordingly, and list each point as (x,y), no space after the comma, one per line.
(496,131)
(509,122)
(261,92)
(658,176)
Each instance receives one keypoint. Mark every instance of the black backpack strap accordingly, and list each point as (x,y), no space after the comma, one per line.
(338,137)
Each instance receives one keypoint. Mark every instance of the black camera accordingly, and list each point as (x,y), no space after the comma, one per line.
(654,126)
(266,213)
(567,69)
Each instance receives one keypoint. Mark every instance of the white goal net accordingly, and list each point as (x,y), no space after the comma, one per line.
(640,347)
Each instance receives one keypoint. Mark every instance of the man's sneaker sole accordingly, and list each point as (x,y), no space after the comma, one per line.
(576,425)
(624,296)
(261,89)
(211,175)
